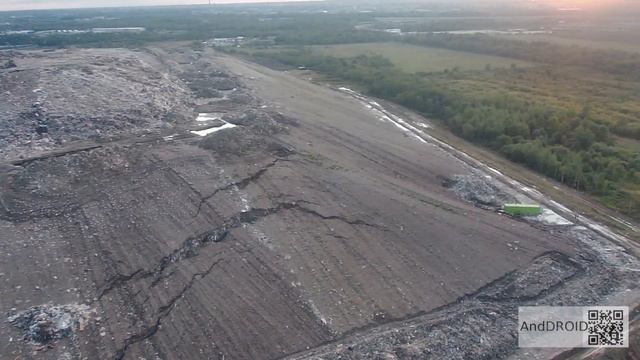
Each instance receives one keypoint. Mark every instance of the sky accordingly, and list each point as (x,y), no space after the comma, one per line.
(7,5)
(49,4)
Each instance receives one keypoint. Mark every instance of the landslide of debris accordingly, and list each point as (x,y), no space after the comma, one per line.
(51,98)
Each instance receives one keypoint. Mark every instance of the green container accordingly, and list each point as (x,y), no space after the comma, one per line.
(522,209)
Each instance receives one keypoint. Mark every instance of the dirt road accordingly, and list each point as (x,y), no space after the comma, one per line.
(310,226)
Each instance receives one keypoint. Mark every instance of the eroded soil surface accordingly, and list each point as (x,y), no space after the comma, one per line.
(302,225)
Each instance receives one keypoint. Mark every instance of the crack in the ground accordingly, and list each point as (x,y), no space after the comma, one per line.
(158,279)
(190,246)
(335,236)
(162,313)
(187,249)
(119,280)
(340,218)
(240,184)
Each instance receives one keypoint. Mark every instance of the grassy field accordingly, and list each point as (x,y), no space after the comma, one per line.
(411,58)
(565,40)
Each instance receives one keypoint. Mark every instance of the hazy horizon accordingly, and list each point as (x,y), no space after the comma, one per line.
(12,5)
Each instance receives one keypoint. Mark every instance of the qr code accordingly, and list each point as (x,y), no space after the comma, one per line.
(605,328)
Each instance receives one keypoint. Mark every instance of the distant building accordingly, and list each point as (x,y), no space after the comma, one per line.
(63,32)
(232,41)
(17,32)
(119,30)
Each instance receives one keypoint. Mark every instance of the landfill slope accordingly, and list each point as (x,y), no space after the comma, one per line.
(300,225)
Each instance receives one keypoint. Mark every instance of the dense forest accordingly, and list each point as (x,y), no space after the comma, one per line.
(569,146)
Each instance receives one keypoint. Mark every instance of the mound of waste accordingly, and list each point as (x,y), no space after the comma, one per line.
(260,123)
(254,132)
(46,323)
(238,142)
(479,190)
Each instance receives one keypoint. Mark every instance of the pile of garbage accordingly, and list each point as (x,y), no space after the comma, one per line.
(46,323)
(260,123)
(479,190)
(9,64)
(253,134)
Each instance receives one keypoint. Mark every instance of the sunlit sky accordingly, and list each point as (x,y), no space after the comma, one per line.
(588,4)
(52,4)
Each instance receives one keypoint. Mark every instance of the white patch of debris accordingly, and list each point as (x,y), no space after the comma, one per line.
(212,130)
